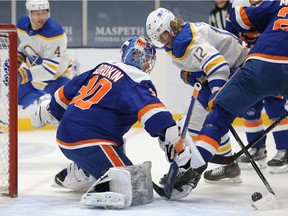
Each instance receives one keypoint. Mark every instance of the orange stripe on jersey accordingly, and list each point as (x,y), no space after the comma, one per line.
(62,96)
(284,122)
(253,124)
(285,58)
(208,140)
(112,156)
(244,17)
(147,109)
(84,142)
(280,97)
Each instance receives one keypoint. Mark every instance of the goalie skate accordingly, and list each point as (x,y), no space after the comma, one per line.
(230,173)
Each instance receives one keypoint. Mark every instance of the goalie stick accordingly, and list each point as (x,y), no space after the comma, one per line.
(173,170)
(260,204)
(219,159)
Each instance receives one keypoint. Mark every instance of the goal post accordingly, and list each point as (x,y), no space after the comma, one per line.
(8,111)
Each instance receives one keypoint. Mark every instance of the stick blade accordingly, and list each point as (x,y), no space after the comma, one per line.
(159,190)
(265,203)
(171,179)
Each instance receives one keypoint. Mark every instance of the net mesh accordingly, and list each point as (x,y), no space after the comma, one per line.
(4,113)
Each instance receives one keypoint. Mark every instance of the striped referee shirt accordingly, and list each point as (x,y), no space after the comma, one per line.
(217,17)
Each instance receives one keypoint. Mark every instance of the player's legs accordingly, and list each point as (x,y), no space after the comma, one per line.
(89,164)
(55,84)
(195,125)
(275,107)
(27,94)
(238,94)
(254,127)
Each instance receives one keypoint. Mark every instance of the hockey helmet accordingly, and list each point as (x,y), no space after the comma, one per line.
(32,5)
(158,21)
(139,52)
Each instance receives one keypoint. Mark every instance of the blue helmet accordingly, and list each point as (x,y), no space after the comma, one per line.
(139,52)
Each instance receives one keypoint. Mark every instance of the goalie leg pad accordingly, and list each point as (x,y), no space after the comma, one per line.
(107,200)
(119,196)
(130,185)
(142,185)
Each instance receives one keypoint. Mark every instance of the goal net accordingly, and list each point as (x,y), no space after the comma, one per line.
(8,110)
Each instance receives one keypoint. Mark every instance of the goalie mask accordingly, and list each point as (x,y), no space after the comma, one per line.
(158,22)
(34,5)
(139,52)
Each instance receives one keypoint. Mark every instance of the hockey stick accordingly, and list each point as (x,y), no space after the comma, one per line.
(173,170)
(271,196)
(219,159)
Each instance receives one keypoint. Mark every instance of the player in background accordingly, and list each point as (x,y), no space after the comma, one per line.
(43,49)
(275,108)
(264,73)
(204,54)
(95,110)
(217,16)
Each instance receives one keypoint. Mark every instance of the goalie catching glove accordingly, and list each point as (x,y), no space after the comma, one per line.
(42,115)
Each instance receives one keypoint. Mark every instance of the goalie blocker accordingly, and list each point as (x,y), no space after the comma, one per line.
(121,187)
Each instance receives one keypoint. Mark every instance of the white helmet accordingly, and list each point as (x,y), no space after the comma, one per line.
(32,5)
(157,22)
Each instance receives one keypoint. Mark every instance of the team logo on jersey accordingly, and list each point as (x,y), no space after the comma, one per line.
(33,57)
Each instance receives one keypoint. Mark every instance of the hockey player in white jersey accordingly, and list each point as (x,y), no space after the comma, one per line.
(95,110)
(43,52)
(204,54)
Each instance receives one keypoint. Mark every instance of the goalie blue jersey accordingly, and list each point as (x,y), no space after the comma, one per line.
(270,19)
(102,104)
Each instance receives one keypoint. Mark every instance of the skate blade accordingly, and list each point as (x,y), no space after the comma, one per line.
(54,185)
(248,166)
(278,170)
(235,180)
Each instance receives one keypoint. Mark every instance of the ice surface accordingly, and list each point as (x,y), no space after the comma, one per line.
(40,159)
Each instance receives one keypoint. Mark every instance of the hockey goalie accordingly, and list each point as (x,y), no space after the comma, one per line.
(94,111)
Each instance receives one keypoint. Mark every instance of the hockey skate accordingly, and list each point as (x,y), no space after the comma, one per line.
(229,173)
(259,155)
(279,163)
(73,178)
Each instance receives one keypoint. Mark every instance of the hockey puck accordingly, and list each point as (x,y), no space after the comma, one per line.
(256,196)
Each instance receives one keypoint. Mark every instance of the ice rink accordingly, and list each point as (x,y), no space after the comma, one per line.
(40,159)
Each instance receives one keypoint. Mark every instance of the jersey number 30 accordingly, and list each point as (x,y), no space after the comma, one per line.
(91,94)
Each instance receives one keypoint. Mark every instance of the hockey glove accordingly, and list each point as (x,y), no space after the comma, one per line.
(184,157)
(42,115)
(250,38)
(191,78)
(172,136)
(24,75)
